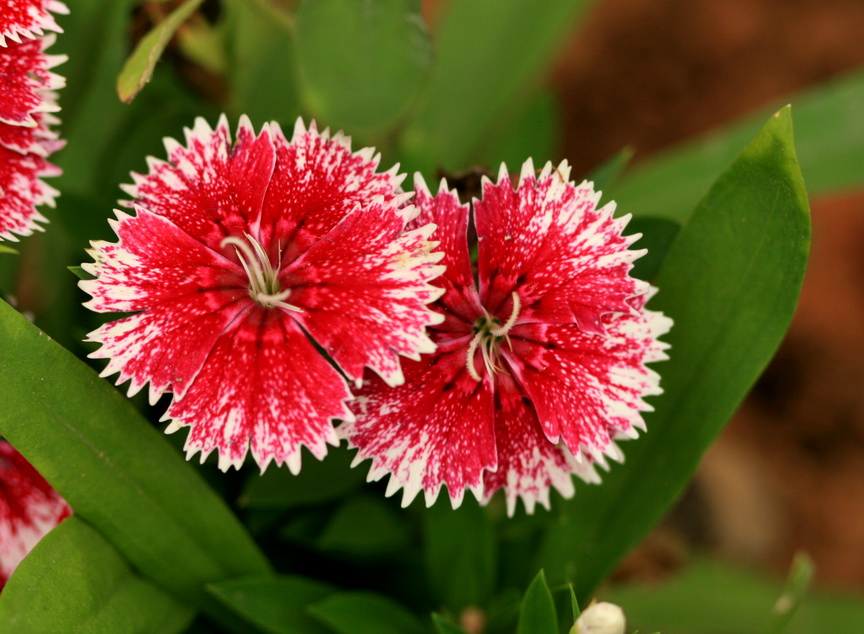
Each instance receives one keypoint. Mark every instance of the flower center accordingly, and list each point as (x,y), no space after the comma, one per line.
(488,333)
(263,277)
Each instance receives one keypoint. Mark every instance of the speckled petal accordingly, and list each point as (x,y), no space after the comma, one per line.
(26,81)
(548,239)
(528,464)
(434,430)
(28,19)
(363,290)
(318,181)
(588,389)
(23,190)
(29,508)
(263,386)
(208,187)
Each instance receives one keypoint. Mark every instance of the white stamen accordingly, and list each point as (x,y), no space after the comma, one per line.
(485,339)
(263,278)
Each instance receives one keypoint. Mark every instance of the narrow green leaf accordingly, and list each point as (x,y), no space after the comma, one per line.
(800,576)
(80,273)
(443,626)
(138,68)
(459,553)
(384,530)
(276,603)
(538,609)
(363,62)
(829,135)
(119,473)
(75,581)
(730,281)
(574,602)
(7,249)
(490,55)
(319,481)
(608,173)
(365,613)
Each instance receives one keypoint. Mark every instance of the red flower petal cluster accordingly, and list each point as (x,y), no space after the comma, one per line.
(27,99)
(262,274)
(540,363)
(29,508)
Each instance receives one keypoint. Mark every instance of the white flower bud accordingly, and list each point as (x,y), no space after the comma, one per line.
(600,618)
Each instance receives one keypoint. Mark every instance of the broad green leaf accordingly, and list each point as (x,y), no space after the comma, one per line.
(730,281)
(318,481)
(829,135)
(119,473)
(365,613)
(538,609)
(710,596)
(75,581)
(276,603)
(362,62)
(366,526)
(138,68)
(533,134)
(443,626)
(262,63)
(459,553)
(490,58)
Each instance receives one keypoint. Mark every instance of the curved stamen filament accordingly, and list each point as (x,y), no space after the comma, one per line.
(486,340)
(263,278)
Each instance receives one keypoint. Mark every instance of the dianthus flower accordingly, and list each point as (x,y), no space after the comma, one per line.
(539,368)
(29,508)
(27,99)
(262,274)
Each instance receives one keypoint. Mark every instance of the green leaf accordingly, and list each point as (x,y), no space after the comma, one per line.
(711,596)
(75,581)
(443,626)
(658,234)
(138,69)
(366,526)
(362,62)
(533,133)
(538,609)
(119,473)
(607,174)
(366,613)
(262,63)
(79,272)
(490,58)
(574,602)
(730,281)
(459,553)
(319,481)
(800,576)
(6,249)
(829,135)
(276,603)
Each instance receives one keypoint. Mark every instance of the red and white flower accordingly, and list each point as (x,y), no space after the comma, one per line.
(29,19)
(539,369)
(27,99)
(29,508)
(242,264)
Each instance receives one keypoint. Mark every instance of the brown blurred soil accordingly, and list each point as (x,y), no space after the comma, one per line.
(788,473)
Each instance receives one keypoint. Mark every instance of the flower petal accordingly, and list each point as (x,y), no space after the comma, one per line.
(27,81)
(367,276)
(263,385)
(28,18)
(29,508)
(548,239)
(528,464)
(318,181)
(588,389)
(209,188)
(434,430)
(22,191)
